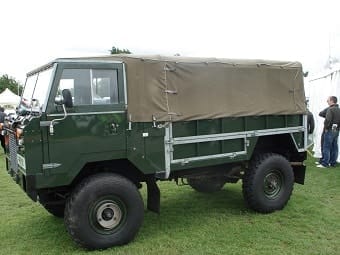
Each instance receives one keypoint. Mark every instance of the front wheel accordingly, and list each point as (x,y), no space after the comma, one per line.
(268,183)
(103,211)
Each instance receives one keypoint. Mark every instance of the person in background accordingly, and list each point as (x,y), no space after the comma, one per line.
(2,120)
(331,134)
(323,115)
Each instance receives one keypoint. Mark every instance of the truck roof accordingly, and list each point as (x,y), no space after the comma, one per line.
(180,59)
(186,88)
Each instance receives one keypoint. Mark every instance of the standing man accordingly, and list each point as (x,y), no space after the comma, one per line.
(2,120)
(323,115)
(331,134)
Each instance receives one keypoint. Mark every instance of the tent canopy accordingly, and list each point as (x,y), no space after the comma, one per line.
(319,88)
(7,97)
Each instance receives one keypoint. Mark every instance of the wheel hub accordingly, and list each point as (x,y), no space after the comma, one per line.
(272,184)
(109,215)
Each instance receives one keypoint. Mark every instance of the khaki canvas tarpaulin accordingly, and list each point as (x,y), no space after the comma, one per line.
(176,88)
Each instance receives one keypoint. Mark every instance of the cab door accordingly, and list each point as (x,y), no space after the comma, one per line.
(93,129)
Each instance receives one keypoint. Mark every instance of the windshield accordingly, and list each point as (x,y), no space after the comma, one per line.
(36,88)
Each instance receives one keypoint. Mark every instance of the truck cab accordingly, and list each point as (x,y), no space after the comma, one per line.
(95,119)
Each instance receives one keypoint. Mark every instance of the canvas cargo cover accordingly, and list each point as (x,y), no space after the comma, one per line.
(182,89)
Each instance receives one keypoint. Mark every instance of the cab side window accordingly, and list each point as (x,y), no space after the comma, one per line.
(90,86)
(104,87)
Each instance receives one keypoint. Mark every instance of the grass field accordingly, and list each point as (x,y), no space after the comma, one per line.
(192,223)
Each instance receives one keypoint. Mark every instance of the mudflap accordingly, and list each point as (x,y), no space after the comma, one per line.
(154,197)
(299,173)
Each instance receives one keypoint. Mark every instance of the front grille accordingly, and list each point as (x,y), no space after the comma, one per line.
(13,148)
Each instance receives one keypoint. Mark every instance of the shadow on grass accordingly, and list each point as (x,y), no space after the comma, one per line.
(191,209)
(225,201)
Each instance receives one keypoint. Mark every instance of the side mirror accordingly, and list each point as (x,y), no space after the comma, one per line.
(66,99)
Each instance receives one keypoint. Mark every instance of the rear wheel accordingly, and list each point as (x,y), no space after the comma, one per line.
(206,185)
(268,183)
(103,211)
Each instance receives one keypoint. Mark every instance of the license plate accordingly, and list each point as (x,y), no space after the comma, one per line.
(21,161)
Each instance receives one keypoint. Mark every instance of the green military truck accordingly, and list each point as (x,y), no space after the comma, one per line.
(90,131)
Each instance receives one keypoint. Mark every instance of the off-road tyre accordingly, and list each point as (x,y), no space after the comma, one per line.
(268,183)
(104,210)
(56,210)
(206,185)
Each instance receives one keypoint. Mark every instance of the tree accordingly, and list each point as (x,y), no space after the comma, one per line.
(10,83)
(115,50)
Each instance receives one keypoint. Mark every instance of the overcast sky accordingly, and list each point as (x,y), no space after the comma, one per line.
(37,31)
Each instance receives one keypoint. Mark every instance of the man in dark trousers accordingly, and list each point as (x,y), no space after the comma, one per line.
(331,134)
(323,115)
(2,120)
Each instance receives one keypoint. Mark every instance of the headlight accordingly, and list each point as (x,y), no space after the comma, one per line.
(19,132)
(19,135)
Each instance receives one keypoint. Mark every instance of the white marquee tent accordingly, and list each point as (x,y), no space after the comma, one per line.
(318,89)
(8,99)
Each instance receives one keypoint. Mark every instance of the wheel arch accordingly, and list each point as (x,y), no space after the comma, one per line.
(119,166)
(284,145)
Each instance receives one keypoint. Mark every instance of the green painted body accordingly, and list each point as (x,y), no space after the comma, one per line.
(148,153)
(93,134)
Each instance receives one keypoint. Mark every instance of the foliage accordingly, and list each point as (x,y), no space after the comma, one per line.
(191,222)
(10,83)
(115,50)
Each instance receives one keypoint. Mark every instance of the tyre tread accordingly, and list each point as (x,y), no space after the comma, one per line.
(91,180)
(248,185)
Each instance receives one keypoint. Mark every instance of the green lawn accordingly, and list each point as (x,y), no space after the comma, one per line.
(192,223)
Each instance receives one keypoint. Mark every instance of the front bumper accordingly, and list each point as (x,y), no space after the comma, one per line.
(26,182)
